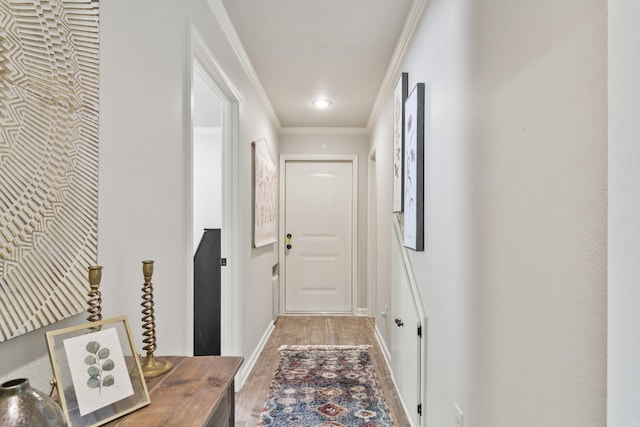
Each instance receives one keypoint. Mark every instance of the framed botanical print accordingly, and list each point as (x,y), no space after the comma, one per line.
(414,131)
(97,371)
(399,96)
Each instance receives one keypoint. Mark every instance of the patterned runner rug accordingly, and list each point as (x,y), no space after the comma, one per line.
(325,386)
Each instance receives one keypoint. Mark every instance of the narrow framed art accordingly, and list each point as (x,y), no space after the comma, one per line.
(399,96)
(265,195)
(414,130)
(97,372)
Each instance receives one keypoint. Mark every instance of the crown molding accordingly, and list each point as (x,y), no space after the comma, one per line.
(230,33)
(410,24)
(323,131)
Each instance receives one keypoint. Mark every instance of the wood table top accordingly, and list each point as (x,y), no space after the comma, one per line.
(187,395)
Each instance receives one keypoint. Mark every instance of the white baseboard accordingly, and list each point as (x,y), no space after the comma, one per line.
(362,312)
(247,366)
(385,350)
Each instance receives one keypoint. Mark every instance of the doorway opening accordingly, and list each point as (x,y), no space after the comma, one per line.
(206,119)
(213,122)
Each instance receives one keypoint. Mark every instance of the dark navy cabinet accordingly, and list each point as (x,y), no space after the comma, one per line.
(206,302)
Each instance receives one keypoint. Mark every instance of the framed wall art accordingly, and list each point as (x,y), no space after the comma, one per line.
(49,109)
(97,371)
(414,169)
(265,195)
(399,96)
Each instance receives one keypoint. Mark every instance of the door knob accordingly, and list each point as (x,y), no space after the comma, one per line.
(399,322)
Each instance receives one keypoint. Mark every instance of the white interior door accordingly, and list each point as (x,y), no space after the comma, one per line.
(319,219)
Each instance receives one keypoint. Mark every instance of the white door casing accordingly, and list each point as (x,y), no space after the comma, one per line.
(231,319)
(319,210)
(372,235)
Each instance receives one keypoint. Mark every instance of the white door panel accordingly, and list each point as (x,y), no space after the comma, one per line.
(406,344)
(318,216)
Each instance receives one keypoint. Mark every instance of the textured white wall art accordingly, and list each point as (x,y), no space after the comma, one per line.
(265,195)
(48,160)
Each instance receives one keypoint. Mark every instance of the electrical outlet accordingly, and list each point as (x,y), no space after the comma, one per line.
(459,416)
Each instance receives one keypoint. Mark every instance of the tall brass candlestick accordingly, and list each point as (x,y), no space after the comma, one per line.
(151,367)
(95,297)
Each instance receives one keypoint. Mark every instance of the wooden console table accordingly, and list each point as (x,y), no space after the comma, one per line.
(197,391)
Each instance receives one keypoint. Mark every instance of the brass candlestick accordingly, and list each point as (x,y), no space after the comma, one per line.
(151,367)
(95,297)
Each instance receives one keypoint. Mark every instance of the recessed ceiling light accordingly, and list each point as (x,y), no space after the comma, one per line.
(321,103)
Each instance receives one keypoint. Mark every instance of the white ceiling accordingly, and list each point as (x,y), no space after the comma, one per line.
(338,49)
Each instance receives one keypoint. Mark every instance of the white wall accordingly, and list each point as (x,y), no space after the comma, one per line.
(27,356)
(541,211)
(624,215)
(144,158)
(513,278)
(341,144)
(381,136)
(207,181)
(143,211)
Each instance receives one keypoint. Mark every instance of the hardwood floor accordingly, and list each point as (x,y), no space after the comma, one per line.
(309,330)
